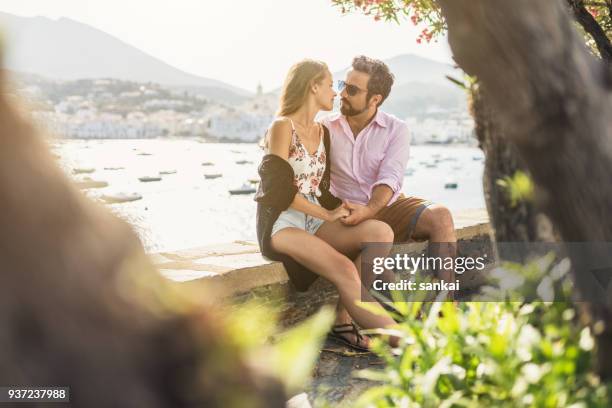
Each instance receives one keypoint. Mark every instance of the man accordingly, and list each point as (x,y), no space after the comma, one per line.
(370,150)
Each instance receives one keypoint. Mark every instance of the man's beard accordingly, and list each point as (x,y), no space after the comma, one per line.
(347,109)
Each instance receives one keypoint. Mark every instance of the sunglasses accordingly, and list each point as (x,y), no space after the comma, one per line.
(351,90)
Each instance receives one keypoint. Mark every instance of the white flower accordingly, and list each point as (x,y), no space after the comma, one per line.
(533,372)
(586,341)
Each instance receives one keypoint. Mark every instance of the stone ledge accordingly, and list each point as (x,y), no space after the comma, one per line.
(238,269)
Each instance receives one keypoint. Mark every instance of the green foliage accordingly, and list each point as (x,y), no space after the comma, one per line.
(542,278)
(501,354)
(289,355)
(519,188)
(423,13)
(427,14)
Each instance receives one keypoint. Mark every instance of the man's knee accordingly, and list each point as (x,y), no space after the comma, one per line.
(442,217)
(435,218)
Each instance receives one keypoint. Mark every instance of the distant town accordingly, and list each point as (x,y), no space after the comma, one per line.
(118,109)
(131,94)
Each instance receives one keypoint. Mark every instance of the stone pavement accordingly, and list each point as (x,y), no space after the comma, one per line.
(333,380)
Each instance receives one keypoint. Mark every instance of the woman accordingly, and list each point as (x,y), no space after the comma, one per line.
(298,219)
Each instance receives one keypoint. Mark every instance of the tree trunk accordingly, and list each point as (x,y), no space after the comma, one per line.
(521,222)
(81,305)
(553,101)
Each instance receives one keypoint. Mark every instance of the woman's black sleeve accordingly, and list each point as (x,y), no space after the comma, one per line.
(276,188)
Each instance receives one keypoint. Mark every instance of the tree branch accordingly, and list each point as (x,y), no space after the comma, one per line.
(592,27)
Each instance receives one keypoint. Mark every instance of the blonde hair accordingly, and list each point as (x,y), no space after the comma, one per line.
(295,90)
(297,84)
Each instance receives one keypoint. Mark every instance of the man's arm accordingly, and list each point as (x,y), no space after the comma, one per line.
(389,180)
(381,195)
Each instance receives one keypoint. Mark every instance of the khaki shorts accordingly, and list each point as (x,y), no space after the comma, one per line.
(402,216)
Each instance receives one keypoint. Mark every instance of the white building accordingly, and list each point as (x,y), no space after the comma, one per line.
(452,129)
(239,125)
(87,124)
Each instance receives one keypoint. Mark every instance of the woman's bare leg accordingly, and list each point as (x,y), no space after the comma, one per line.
(335,267)
(348,239)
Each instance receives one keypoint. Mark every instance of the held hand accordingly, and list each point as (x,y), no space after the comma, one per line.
(358,212)
(339,212)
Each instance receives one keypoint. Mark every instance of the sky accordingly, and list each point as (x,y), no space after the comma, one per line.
(241,42)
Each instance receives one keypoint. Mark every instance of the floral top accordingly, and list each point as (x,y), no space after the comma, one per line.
(308,168)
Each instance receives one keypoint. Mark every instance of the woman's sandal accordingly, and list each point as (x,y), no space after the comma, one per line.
(338,330)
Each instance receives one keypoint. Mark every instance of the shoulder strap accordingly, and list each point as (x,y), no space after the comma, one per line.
(289,119)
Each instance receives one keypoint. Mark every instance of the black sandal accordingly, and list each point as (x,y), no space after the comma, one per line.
(339,329)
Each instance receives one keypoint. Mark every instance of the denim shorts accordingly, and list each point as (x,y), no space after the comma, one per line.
(291,218)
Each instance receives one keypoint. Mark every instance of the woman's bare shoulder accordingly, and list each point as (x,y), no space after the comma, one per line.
(281,126)
(281,122)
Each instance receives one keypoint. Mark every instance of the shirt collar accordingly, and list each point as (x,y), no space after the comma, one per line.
(380,118)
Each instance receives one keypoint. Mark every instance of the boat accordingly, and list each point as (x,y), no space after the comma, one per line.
(90,183)
(245,189)
(211,176)
(144,154)
(431,165)
(451,185)
(147,179)
(208,164)
(114,168)
(120,197)
(244,162)
(254,180)
(167,172)
(83,170)
(476,158)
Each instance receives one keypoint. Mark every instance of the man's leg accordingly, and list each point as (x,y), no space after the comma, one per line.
(416,219)
(435,224)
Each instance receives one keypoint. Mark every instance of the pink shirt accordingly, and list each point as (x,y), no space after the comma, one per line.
(378,155)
